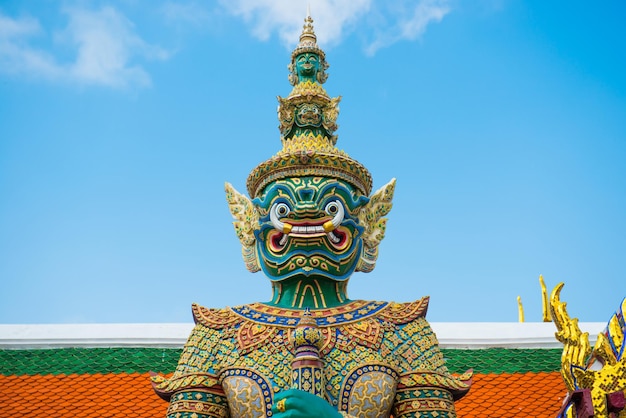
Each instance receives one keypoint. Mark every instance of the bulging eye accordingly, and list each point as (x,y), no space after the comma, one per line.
(282,210)
(332,208)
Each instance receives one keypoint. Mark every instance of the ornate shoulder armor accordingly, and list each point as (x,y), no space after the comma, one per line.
(403,313)
(214,318)
(196,368)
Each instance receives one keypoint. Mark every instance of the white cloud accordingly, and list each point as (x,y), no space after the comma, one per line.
(406,21)
(15,55)
(192,13)
(11,29)
(381,22)
(286,17)
(105,45)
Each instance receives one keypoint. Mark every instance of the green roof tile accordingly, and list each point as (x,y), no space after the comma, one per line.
(88,360)
(163,360)
(503,360)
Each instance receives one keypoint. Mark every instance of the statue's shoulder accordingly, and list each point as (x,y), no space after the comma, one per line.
(404,313)
(212,318)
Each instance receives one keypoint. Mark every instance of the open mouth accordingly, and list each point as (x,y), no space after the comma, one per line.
(337,236)
(329,226)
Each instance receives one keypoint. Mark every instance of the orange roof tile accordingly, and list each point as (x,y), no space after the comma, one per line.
(84,395)
(513,395)
(114,382)
(130,394)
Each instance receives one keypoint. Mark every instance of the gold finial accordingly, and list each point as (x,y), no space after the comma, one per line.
(545,310)
(520,309)
(308,38)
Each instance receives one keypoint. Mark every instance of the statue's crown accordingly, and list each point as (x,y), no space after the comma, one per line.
(307,123)
(308,41)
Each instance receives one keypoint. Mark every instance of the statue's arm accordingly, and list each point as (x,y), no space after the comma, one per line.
(194,389)
(424,401)
(198,403)
(425,387)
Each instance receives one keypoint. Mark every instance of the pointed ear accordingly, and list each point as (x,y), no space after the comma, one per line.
(246,222)
(371,217)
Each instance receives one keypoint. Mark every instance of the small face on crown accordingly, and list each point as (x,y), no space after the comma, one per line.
(309,226)
(307,66)
(308,61)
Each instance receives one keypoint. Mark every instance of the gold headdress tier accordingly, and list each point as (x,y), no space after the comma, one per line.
(307,122)
(309,155)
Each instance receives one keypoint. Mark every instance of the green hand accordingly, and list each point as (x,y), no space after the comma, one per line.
(294,403)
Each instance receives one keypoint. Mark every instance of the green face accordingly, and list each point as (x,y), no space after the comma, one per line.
(308,226)
(307,66)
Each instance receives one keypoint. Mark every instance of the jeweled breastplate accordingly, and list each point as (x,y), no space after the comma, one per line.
(366,346)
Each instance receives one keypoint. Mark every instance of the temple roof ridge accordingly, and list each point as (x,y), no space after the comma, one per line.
(454,335)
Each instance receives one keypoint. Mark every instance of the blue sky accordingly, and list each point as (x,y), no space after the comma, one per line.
(503,121)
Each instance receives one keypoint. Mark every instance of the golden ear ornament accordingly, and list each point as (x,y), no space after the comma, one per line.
(246,222)
(372,218)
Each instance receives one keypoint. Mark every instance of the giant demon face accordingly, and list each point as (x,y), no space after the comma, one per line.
(309,226)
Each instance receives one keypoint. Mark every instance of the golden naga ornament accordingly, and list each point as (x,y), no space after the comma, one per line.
(595,378)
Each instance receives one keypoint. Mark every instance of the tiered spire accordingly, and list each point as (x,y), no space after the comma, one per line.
(308,120)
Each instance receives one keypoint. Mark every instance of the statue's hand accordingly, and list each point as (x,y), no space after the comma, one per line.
(294,403)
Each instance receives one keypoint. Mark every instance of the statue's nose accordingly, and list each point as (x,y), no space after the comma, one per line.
(306,210)
(306,206)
